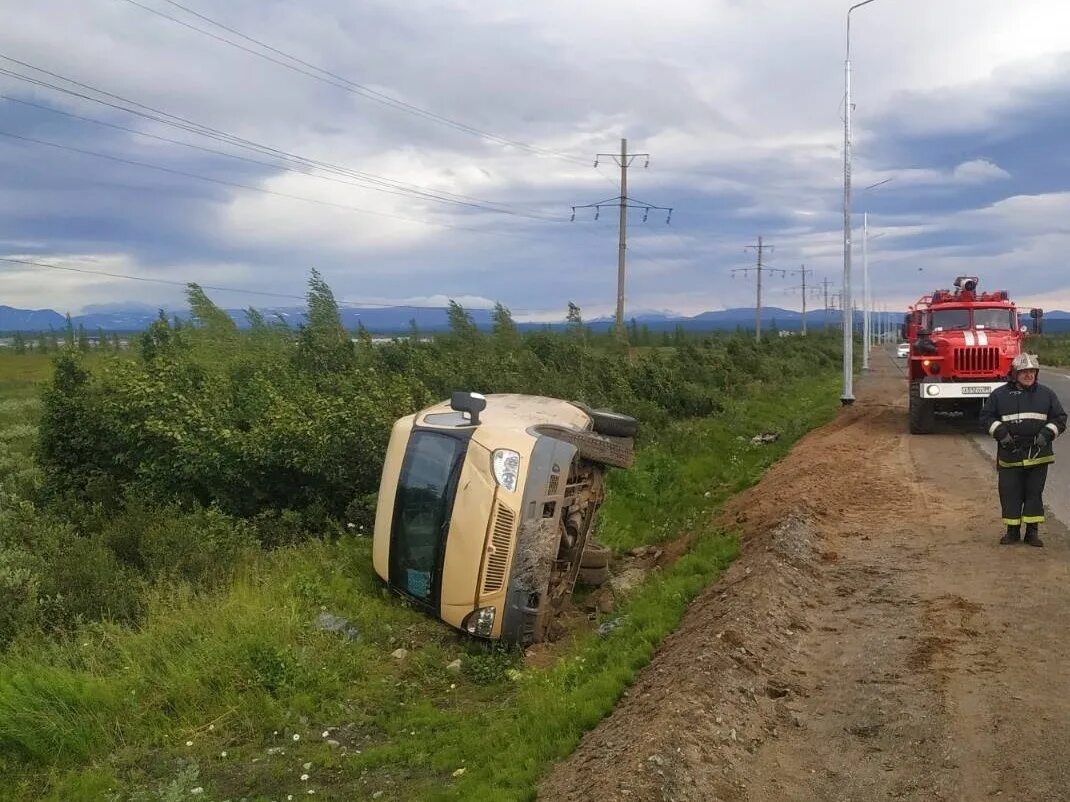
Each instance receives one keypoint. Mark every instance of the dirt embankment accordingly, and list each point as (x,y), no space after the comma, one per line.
(872,642)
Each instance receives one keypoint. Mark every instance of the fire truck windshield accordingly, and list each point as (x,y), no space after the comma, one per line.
(993,318)
(950,319)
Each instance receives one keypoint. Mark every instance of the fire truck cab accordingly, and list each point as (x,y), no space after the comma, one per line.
(962,342)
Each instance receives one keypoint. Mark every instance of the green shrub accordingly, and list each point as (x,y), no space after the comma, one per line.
(18,594)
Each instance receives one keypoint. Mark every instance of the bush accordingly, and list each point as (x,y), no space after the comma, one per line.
(18,594)
(173,463)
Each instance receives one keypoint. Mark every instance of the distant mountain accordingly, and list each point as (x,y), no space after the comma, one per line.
(12,319)
(396,319)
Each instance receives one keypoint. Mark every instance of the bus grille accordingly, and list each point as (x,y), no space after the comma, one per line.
(978,359)
(501,539)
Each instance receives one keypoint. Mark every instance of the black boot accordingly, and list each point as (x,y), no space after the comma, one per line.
(1014,534)
(1031,536)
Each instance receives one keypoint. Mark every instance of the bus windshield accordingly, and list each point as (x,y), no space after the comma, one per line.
(422,510)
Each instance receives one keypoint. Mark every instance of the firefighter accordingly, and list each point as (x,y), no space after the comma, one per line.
(1024,417)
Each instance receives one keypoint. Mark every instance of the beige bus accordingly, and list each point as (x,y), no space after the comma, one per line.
(486,504)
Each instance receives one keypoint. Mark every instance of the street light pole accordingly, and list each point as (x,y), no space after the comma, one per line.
(848,397)
(865,291)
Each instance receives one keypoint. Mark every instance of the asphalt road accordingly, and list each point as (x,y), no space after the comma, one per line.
(1057,492)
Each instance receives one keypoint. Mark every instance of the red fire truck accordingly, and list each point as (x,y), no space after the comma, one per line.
(961,345)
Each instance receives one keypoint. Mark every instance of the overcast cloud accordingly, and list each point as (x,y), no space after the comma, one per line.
(963,105)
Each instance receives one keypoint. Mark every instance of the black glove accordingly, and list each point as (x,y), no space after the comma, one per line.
(1043,438)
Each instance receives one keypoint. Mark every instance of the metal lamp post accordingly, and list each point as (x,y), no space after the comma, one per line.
(848,338)
(867,297)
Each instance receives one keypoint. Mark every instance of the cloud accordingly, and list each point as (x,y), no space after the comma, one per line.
(963,103)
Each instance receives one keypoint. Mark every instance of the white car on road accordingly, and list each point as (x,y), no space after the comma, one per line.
(902,351)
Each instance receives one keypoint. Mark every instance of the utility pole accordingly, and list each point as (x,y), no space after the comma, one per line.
(624,160)
(803,271)
(825,283)
(761,267)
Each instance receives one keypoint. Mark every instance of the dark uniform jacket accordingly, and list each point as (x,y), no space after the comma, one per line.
(1022,412)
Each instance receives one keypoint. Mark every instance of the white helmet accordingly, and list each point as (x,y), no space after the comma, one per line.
(1025,362)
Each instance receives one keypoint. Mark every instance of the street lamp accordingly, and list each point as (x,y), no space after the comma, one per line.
(867,298)
(848,338)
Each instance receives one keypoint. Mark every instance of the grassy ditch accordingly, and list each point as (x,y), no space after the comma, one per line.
(238,694)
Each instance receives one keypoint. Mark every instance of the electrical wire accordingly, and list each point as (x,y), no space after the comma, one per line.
(175,121)
(170,282)
(222,288)
(326,76)
(307,172)
(235,184)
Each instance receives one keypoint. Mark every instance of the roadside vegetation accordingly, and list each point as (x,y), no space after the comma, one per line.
(187,606)
(1053,349)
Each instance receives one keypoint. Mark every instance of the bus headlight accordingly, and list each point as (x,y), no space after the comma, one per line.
(506,465)
(480,622)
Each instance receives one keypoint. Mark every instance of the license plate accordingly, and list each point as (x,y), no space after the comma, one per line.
(975,391)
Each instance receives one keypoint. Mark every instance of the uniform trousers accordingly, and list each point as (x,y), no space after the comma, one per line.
(1021,494)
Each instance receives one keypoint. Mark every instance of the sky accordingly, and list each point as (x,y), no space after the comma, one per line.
(482,122)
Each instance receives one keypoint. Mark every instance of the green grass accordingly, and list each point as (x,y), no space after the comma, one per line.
(1053,349)
(20,378)
(210,690)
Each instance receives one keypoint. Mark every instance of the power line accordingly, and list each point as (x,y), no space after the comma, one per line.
(306,172)
(333,79)
(190,126)
(170,282)
(221,288)
(251,188)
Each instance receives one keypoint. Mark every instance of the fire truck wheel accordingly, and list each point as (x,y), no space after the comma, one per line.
(922,415)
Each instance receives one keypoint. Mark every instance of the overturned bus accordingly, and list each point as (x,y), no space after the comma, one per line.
(486,505)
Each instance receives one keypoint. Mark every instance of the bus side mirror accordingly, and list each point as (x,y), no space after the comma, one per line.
(472,403)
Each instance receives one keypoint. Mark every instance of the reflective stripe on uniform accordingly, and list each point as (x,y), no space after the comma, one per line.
(1054,429)
(1025,416)
(1032,519)
(1027,463)
(995,425)
(1012,521)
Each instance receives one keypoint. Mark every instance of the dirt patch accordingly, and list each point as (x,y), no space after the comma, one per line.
(872,642)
